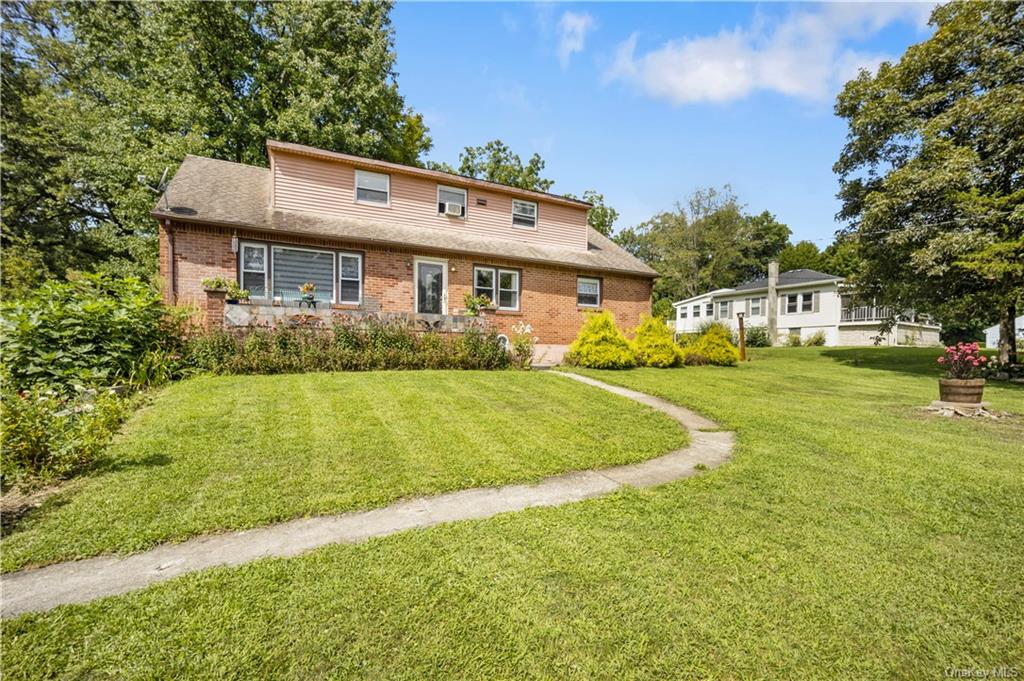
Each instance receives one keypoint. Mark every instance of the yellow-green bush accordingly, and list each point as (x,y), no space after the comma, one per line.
(713,347)
(601,345)
(653,344)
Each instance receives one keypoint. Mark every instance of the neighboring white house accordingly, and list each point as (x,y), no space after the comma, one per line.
(806,302)
(992,332)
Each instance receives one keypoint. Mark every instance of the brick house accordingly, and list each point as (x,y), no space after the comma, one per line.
(382,237)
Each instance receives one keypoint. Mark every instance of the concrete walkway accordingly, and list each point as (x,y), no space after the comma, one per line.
(84,580)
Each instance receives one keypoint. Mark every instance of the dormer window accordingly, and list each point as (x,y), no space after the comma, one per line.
(524,214)
(451,201)
(373,188)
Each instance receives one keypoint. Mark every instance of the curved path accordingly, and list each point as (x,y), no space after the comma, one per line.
(79,581)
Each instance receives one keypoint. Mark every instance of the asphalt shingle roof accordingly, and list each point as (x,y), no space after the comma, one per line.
(210,191)
(788,279)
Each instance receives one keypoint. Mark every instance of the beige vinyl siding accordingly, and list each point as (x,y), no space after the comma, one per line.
(301,183)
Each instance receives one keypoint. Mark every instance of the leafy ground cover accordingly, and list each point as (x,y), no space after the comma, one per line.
(214,453)
(851,536)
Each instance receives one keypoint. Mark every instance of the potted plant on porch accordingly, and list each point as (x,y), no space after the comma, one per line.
(960,384)
(307,293)
(236,294)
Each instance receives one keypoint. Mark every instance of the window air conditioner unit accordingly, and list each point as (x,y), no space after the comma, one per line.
(453,209)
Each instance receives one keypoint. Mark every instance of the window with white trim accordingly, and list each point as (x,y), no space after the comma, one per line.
(254,269)
(755,307)
(292,267)
(501,287)
(723,309)
(524,214)
(709,310)
(799,302)
(588,292)
(373,188)
(451,196)
(696,311)
(483,282)
(508,290)
(350,278)
(682,312)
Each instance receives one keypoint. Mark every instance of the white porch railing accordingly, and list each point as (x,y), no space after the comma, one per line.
(866,313)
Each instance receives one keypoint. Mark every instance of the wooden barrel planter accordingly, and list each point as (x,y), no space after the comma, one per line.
(962,390)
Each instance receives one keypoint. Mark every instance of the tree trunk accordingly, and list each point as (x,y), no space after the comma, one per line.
(1008,334)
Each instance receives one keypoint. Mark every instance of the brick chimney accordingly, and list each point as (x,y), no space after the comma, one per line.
(773,300)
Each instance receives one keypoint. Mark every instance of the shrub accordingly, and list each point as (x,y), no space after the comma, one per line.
(600,344)
(712,347)
(794,341)
(757,337)
(49,435)
(89,331)
(344,347)
(653,344)
(815,339)
(709,324)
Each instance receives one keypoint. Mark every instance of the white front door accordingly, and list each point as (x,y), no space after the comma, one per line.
(431,286)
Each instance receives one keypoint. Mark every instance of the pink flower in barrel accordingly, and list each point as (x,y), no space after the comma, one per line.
(961,383)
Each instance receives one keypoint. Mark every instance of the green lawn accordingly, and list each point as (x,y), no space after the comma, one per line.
(852,536)
(236,452)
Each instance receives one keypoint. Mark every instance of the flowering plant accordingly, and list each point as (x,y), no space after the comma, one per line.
(962,360)
(521,344)
(307,288)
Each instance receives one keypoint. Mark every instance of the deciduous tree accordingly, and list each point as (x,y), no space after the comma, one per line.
(96,94)
(932,174)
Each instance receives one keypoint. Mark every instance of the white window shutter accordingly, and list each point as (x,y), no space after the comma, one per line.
(815,298)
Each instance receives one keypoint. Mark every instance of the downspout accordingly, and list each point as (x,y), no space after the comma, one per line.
(773,300)
(172,273)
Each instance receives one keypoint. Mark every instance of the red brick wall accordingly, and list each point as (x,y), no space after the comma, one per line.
(547,302)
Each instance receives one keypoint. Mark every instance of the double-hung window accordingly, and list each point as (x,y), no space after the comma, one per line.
(500,286)
(723,309)
(524,214)
(799,302)
(696,311)
(588,292)
(293,267)
(755,307)
(254,269)
(373,188)
(350,275)
(709,310)
(451,201)
(682,312)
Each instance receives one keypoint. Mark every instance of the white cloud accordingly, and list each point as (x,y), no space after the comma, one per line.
(801,56)
(572,34)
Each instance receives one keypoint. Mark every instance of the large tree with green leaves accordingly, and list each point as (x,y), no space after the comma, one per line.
(496,162)
(932,174)
(96,94)
(705,244)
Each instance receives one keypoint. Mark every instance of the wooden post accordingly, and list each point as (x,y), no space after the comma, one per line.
(743,339)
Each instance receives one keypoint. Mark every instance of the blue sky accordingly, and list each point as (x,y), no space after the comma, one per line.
(648,102)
